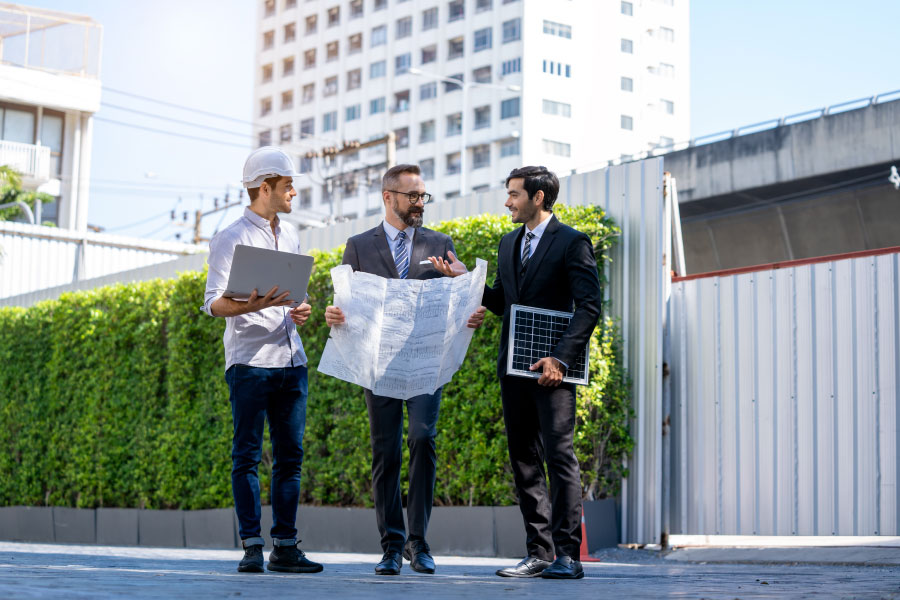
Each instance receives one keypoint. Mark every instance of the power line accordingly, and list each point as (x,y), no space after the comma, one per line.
(136,223)
(178,121)
(183,107)
(172,133)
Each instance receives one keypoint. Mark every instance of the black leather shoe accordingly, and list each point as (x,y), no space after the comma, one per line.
(291,559)
(564,567)
(531,566)
(252,561)
(418,554)
(390,564)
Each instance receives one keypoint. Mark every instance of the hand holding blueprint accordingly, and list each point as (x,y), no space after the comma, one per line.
(401,337)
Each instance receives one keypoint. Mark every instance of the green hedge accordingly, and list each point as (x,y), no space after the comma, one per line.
(116,397)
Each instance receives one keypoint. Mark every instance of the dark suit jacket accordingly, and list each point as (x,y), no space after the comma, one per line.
(562,272)
(370,252)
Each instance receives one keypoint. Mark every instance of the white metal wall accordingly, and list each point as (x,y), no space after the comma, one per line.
(784,387)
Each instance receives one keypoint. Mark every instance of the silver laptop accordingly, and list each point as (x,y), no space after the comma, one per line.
(260,269)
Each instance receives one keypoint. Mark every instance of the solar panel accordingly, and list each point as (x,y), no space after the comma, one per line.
(533,333)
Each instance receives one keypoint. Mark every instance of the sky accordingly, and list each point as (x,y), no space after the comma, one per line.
(750,62)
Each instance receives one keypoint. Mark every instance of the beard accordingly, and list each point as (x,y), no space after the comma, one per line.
(525,213)
(413,216)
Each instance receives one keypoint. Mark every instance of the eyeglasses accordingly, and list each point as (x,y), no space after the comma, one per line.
(413,197)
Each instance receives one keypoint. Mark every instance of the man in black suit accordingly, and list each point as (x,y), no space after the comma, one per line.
(544,264)
(398,248)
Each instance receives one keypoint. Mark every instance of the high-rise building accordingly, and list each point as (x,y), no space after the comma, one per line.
(569,84)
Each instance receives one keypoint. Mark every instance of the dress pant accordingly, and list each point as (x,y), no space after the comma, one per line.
(386,433)
(540,427)
(256,394)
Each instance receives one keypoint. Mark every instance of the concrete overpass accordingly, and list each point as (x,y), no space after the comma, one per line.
(808,185)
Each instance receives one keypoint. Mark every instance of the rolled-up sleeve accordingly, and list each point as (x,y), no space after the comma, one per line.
(221,251)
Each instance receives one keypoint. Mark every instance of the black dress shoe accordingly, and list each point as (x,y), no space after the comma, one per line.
(418,554)
(529,567)
(390,564)
(564,567)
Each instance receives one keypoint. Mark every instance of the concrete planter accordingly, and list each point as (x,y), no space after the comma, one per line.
(212,528)
(27,523)
(117,526)
(162,528)
(74,525)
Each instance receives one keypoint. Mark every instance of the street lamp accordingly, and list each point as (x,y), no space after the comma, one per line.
(465,85)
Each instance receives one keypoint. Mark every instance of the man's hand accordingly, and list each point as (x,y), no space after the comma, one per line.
(454,268)
(299,314)
(256,303)
(333,316)
(552,371)
(477,318)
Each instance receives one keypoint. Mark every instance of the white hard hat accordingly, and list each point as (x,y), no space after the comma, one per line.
(266,162)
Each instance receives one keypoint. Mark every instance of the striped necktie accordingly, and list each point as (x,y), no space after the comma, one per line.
(526,251)
(401,256)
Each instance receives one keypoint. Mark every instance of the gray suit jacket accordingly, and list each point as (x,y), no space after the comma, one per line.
(370,252)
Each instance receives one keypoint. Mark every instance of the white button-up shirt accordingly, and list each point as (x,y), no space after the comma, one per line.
(538,232)
(265,338)
(392,233)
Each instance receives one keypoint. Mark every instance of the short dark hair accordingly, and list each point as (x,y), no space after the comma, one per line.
(538,178)
(393,174)
(254,192)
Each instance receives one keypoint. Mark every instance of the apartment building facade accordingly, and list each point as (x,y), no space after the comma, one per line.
(569,84)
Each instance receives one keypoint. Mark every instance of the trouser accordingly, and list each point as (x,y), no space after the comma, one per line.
(540,427)
(386,431)
(280,395)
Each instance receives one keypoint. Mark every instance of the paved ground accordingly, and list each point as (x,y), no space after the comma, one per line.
(58,571)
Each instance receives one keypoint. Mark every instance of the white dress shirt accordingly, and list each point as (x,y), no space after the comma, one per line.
(392,233)
(538,232)
(265,338)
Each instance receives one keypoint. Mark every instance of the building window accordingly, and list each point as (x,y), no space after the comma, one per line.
(627,9)
(287,100)
(334,16)
(265,137)
(482,5)
(401,101)
(354,79)
(482,117)
(429,54)
(270,8)
(482,75)
(428,90)
(449,86)
(426,132)
(379,35)
(627,84)
(509,148)
(284,134)
(309,93)
(666,34)
(558,29)
(356,9)
(626,122)
(329,121)
(627,46)
(353,112)
(513,65)
(668,106)
(309,59)
(306,164)
(402,63)
(265,107)
(509,108)
(455,48)
(305,198)
(377,69)
(287,66)
(482,39)
(557,148)
(512,30)
(376,106)
(289,4)
(307,128)
(267,73)
(429,19)
(331,51)
(268,40)
(290,32)
(559,109)
(402,136)
(404,27)
(427,168)
(555,68)
(311,24)
(331,86)
(354,43)
(453,164)
(457,10)
(454,124)
(481,156)
(380,4)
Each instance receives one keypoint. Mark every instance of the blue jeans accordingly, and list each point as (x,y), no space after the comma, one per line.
(279,394)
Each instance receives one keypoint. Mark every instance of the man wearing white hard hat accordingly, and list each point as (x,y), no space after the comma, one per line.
(265,367)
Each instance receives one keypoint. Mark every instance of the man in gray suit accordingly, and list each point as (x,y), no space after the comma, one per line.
(398,248)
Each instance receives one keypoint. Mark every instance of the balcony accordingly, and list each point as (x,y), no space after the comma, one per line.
(31,161)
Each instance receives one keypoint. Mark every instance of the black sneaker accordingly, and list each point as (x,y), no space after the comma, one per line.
(252,561)
(291,559)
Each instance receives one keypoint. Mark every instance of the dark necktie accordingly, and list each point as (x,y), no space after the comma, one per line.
(401,256)
(526,251)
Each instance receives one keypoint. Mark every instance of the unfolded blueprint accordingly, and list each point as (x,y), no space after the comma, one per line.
(401,337)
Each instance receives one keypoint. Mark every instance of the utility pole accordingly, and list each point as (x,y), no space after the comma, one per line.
(198,216)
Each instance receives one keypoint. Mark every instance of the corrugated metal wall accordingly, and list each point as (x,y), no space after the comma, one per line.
(784,388)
